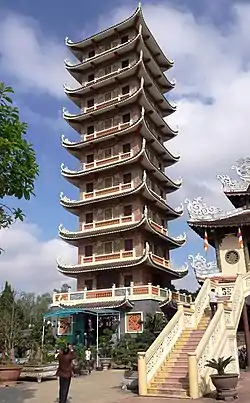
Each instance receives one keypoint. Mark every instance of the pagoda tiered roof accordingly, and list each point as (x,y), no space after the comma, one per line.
(119,161)
(121,224)
(122,190)
(142,125)
(121,260)
(136,20)
(137,68)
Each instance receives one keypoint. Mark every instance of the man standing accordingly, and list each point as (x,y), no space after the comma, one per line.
(65,372)
(88,357)
(213,302)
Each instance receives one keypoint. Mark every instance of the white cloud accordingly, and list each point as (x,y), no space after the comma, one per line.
(30,58)
(28,262)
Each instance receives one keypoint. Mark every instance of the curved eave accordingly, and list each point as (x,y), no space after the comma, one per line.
(173,242)
(76,70)
(139,97)
(73,237)
(85,268)
(155,85)
(75,205)
(75,177)
(132,21)
(173,273)
(167,133)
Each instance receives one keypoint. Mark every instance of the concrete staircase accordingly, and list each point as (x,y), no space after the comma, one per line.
(171,380)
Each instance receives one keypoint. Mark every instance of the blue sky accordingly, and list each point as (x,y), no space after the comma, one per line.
(208,41)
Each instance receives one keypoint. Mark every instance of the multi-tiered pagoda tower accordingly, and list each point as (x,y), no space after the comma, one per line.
(122,239)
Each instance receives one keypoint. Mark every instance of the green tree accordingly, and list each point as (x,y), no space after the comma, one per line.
(18,167)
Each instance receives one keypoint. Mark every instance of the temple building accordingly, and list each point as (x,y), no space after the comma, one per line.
(229,233)
(123,239)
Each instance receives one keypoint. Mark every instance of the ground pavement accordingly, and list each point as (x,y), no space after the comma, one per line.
(99,387)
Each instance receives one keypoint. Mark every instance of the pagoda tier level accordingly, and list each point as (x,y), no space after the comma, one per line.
(140,125)
(135,186)
(238,191)
(122,128)
(122,159)
(120,260)
(119,224)
(119,33)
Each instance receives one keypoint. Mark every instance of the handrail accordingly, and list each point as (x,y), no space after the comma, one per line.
(163,344)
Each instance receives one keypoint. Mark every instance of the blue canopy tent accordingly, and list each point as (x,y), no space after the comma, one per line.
(70,311)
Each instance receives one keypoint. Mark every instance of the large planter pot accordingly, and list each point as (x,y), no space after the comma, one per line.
(105,362)
(39,372)
(225,385)
(9,374)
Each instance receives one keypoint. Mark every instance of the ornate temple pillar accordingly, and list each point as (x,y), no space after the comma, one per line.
(246,331)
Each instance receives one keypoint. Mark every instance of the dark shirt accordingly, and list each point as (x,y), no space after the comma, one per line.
(65,365)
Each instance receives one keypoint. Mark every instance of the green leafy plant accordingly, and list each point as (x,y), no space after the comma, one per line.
(18,167)
(105,344)
(220,364)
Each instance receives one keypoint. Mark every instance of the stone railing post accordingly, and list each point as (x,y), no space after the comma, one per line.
(142,374)
(193,376)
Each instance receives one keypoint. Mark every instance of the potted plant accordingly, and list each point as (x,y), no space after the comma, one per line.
(105,349)
(224,383)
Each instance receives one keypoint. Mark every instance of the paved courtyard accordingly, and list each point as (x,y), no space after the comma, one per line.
(99,387)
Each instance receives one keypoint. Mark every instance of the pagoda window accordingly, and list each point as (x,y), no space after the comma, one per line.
(90,129)
(108,123)
(128,244)
(126,148)
(89,284)
(160,166)
(161,194)
(154,217)
(156,249)
(124,39)
(108,247)
(126,118)
(108,213)
(88,250)
(108,69)
(90,102)
(91,77)
(127,210)
(108,182)
(92,53)
(90,158)
(108,45)
(108,152)
(108,96)
(163,223)
(128,280)
(125,63)
(125,90)
(89,187)
(88,218)
(127,178)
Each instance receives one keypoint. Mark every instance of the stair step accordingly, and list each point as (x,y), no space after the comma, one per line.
(168,392)
(170,375)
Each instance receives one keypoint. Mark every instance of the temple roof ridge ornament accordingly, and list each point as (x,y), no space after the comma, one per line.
(232,185)
(242,168)
(202,267)
(199,210)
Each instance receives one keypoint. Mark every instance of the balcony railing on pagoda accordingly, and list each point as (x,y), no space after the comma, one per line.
(134,292)
(160,261)
(106,257)
(107,223)
(106,76)
(108,131)
(106,191)
(107,161)
(104,104)
(159,228)
(98,54)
